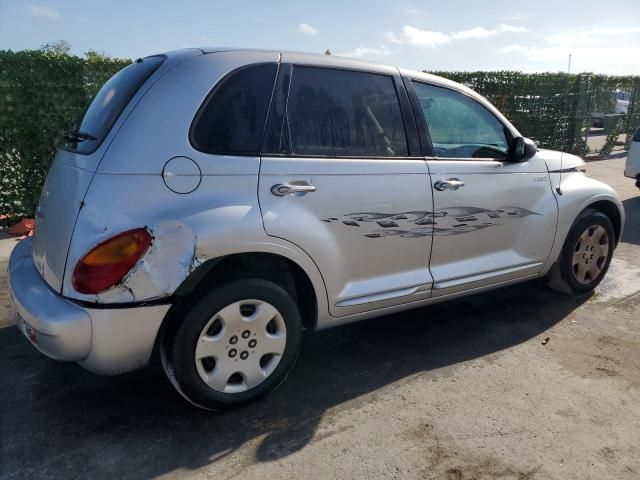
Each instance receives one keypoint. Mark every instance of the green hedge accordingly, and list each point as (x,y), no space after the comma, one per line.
(43,95)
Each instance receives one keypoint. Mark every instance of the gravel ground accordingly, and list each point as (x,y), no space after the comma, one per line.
(517,383)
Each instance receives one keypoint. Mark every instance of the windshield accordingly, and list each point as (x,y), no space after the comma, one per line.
(110,101)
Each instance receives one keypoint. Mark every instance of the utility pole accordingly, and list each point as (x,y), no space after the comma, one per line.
(569,67)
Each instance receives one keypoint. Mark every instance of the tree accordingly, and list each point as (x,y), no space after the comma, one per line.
(57,47)
(94,56)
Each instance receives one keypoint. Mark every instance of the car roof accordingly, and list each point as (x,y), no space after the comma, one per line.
(311,59)
(335,61)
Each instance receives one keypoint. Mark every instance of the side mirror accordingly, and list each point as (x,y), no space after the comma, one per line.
(523,149)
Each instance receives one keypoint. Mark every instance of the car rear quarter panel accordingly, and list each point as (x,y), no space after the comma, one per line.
(220,217)
(67,183)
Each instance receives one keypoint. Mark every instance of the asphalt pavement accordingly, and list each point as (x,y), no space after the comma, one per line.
(517,383)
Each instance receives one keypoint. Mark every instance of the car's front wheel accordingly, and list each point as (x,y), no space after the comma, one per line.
(235,344)
(586,254)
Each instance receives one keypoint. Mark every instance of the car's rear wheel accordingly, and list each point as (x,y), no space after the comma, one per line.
(586,254)
(235,344)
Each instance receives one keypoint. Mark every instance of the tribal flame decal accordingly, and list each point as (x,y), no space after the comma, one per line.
(444,222)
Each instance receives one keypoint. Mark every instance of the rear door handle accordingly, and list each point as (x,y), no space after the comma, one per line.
(448,184)
(283,189)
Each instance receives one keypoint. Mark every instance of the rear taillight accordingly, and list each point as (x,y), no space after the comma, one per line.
(107,264)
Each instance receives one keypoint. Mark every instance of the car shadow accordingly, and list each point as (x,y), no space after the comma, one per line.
(59,421)
(631,232)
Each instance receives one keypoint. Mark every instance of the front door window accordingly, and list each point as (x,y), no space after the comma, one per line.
(459,126)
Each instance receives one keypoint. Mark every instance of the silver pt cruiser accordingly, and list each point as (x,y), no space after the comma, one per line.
(215,203)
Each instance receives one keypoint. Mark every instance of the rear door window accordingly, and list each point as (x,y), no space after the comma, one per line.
(231,121)
(109,103)
(336,113)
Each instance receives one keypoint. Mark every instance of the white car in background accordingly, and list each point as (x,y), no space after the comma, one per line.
(622,102)
(632,168)
(621,108)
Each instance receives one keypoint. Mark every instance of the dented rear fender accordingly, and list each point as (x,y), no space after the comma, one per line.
(220,218)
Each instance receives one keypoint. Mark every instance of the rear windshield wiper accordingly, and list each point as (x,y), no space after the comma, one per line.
(76,136)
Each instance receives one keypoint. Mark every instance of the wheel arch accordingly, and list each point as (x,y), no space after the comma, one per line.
(301,284)
(266,265)
(611,210)
(581,193)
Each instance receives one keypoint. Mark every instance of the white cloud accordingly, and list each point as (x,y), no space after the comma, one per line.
(594,36)
(477,32)
(414,36)
(608,60)
(360,52)
(42,11)
(536,54)
(428,38)
(308,29)
(512,29)
(592,49)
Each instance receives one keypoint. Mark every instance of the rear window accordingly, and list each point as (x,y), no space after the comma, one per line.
(231,120)
(344,113)
(109,103)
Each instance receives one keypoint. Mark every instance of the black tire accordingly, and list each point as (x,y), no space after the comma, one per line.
(562,276)
(179,355)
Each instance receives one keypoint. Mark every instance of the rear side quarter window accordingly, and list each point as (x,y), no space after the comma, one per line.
(231,120)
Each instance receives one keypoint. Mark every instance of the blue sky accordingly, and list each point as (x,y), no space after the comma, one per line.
(449,35)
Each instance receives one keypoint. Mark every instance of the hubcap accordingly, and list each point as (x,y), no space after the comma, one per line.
(590,254)
(240,346)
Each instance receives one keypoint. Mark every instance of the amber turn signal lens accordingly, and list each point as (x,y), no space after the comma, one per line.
(110,261)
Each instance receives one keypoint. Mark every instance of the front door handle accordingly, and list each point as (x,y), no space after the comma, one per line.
(283,189)
(448,184)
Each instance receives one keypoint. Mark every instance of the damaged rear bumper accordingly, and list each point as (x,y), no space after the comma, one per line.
(106,341)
